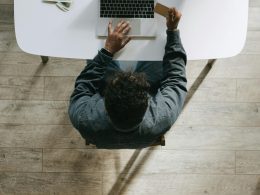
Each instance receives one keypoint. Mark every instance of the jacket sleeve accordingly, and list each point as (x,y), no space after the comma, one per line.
(86,86)
(173,85)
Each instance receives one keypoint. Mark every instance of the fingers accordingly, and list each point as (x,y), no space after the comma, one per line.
(177,18)
(173,18)
(171,11)
(177,14)
(119,24)
(126,30)
(123,27)
(110,29)
(171,14)
(174,14)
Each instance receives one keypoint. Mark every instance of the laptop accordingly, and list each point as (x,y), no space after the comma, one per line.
(140,14)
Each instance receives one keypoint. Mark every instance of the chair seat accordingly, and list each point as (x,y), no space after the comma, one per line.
(159,141)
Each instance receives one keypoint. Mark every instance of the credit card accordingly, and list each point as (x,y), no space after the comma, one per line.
(161,9)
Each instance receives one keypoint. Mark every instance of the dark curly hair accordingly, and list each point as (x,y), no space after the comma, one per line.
(126,99)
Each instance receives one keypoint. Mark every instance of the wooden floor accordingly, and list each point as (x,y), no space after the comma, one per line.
(214,147)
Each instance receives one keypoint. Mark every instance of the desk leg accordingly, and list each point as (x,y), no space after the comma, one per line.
(211,62)
(45,59)
(203,74)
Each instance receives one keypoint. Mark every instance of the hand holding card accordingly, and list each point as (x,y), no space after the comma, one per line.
(172,15)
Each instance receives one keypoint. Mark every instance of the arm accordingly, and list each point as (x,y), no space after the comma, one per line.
(173,85)
(89,81)
(87,85)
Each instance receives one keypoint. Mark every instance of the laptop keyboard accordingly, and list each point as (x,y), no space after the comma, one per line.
(126,8)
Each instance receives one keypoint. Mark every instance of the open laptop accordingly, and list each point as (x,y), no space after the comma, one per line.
(140,14)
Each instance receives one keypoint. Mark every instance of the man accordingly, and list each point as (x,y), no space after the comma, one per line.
(116,109)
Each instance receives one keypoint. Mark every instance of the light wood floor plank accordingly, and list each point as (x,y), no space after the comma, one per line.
(40,136)
(180,184)
(213,138)
(21,88)
(6,1)
(21,64)
(252,45)
(212,90)
(159,161)
(76,160)
(8,37)
(59,88)
(194,68)
(20,159)
(248,162)
(248,90)
(6,13)
(34,112)
(241,66)
(254,3)
(6,27)
(172,161)
(5,40)
(254,18)
(51,183)
(220,114)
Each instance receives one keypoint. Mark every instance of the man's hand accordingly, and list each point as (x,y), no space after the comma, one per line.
(117,38)
(173,19)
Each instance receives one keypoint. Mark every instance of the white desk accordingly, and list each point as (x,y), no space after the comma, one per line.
(210,29)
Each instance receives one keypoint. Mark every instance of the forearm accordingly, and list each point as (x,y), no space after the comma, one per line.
(173,85)
(174,60)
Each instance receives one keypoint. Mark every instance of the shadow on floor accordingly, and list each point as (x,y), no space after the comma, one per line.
(122,182)
(257,188)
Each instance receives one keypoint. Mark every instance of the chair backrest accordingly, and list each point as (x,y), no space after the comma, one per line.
(159,142)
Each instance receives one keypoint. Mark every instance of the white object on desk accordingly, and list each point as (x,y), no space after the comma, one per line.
(209,30)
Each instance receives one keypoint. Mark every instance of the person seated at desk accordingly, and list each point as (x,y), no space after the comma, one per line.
(113,109)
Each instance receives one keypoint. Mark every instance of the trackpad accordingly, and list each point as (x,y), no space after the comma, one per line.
(135,25)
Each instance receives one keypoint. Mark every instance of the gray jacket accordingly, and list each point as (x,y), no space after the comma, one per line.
(88,114)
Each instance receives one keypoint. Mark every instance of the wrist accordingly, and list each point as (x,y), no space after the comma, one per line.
(106,52)
(172,29)
(109,50)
